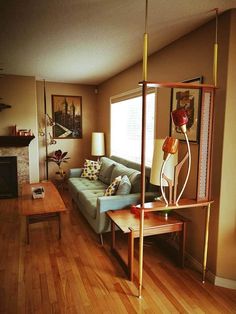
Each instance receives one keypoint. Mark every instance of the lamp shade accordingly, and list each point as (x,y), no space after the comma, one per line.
(98,145)
(157,161)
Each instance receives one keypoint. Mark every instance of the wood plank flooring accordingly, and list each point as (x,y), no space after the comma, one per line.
(78,275)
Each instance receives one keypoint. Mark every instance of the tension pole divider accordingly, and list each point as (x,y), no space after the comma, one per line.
(143,148)
(215,62)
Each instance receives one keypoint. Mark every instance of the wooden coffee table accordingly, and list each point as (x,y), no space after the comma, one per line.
(154,224)
(41,209)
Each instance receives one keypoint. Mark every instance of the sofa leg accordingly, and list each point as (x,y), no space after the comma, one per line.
(101,238)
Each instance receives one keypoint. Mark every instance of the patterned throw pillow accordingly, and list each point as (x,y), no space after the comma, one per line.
(112,188)
(91,169)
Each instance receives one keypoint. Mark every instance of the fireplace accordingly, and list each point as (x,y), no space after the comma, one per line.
(10,147)
(8,177)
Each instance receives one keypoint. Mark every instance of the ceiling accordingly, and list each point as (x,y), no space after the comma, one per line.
(89,41)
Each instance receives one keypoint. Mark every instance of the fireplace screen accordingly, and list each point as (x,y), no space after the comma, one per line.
(8,177)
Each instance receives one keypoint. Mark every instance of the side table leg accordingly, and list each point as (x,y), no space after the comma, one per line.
(131,255)
(141,226)
(27,229)
(182,245)
(113,236)
(59,224)
(208,210)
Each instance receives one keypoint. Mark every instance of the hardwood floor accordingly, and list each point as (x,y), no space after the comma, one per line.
(78,275)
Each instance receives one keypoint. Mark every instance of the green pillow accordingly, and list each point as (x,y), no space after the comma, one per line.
(106,169)
(124,186)
(133,175)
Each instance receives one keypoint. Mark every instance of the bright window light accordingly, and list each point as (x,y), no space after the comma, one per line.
(126,123)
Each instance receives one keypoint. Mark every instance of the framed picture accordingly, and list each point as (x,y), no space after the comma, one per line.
(67,116)
(189,99)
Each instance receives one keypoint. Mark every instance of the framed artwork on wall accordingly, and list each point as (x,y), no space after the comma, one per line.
(67,116)
(190,100)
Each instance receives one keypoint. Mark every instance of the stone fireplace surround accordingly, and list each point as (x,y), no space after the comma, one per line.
(17,146)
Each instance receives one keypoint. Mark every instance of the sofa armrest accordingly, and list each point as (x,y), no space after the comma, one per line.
(105,203)
(75,172)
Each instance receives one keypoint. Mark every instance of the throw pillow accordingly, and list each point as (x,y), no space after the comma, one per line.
(112,188)
(91,169)
(107,167)
(124,187)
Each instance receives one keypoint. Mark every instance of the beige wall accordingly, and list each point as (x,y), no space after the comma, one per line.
(20,93)
(188,57)
(78,149)
(226,248)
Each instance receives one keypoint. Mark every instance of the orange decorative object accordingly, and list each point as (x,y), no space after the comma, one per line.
(170,145)
(136,211)
(133,209)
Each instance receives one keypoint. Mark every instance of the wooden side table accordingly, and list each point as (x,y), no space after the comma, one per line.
(154,224)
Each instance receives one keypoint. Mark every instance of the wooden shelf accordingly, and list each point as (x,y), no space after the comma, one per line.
(15,141)
(4,106)
(183,203)
(176,85)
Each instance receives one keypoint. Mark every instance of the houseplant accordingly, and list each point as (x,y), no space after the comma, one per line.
(59,157)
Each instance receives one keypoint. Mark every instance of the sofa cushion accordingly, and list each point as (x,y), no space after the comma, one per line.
(133,175)
(88,201)
(91,169)
(80,184)
(107,166)
(112,188)
(124,187)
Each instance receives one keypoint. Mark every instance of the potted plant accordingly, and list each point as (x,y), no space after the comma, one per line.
(59,157)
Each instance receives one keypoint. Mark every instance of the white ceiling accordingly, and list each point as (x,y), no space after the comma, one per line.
(88,41)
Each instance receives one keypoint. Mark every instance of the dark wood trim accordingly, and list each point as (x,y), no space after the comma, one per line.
(15,141)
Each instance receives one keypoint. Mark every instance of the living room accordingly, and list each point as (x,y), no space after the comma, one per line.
(187,57)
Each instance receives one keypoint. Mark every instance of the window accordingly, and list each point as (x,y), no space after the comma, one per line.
(126,123)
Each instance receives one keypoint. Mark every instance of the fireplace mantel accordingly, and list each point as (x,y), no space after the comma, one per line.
(15,141)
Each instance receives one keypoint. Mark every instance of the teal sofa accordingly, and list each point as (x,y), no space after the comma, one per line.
(89,195)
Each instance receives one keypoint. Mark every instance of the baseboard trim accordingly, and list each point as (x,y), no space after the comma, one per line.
(226,283)
(215,280)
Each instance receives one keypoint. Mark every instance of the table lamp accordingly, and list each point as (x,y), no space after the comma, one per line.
(180,119)
(98,144)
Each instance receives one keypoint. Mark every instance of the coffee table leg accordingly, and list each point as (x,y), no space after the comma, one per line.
(131,255)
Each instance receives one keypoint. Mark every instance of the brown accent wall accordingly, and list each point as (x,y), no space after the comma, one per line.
(188,57)
(78,149)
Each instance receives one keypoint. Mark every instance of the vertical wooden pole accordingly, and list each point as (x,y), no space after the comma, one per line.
(143,147)
(215,64)
(131,254)
(45,129)
(145,45)
(142,189)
